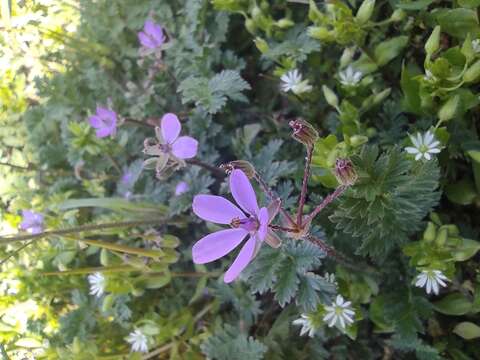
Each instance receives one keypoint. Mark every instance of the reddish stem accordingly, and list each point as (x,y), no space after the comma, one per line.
(303,194)
(338,191)
(281,228)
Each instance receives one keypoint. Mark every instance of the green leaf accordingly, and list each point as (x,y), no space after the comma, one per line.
(389,49)
(415,5)
(453,304)
(462,192)
(467,249)
(467,330)
(458,22)
(116,204)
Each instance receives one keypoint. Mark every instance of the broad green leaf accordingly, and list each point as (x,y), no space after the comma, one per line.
(389,49)
(458,22)
(415,5)
(462,192)
(467,330)
(453,304)
(467,249)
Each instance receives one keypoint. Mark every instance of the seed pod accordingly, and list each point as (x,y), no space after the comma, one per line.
(243,165)
(345,172)
(365,11)
(330,96)
(303,132)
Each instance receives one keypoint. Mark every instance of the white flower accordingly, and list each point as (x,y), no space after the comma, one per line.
(137,341)
(339,313)
(292,81)
(476,45)
(424,146)
(431,278)
(350,77)
(429,76)
(97,284)
(307,325)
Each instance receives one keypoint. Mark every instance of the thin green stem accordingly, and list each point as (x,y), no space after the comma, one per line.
(303,193)
(77,229)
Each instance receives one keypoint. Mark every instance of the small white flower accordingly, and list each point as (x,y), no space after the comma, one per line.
(424,146)
(97,284)
(307,325)
(476,45)
(292,81)
(138,341)
(350,77)
(339,313)
(431,278)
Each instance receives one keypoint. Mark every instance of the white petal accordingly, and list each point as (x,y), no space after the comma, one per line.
(342,322)
(411,150)
(427,156)
(435,286)
(429,285)
(328,316)
(418,156)
(434,151)
(333,321)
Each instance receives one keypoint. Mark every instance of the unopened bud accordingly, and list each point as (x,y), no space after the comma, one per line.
(303,132)
(449,109)
(430,232)
(365,11)
(320,33)
(398,15)
(285,23)
(261,45)
(473,72)
(345,172)
(330,96)
(433,42)
(243,165)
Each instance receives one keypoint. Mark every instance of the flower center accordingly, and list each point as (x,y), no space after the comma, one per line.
(250,224)
(166,148)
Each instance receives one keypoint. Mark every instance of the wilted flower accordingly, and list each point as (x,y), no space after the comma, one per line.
(221,211)
(152,35)
(31,222)
(292,80)
(168,145)
(476,45)
(181,188)
(303,132)
(97,284)
(424,146)
(138,341)
(345,172)
(350,76)
(431,279)
(307,325)
(105,121)
(339,313)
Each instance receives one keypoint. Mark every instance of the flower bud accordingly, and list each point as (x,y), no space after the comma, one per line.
(285,23)
(449,109)
(441,237)
(347,56)
(433,42)
(473,72)
(243,165)
(365,11)
(320,33)
(430,232)
(303,132)
(345,172)
(398,15)
(330,96)
(261,45)
(250,26)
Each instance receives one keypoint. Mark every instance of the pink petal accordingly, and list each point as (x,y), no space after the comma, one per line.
(241,261)
(103,132)
(95,121)
(146,40)
(218,244)
(185,147)
(216,209)
(243,192)
(263,218)
(106,113)
(170,127)
(155,31)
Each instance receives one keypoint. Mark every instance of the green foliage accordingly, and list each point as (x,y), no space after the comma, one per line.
(211,94)
(389,201)
(229,343)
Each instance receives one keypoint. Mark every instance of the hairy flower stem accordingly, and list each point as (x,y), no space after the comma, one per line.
(266,189)
(281,228)
(214,170)
(77,229)
(303,194)
(338,191)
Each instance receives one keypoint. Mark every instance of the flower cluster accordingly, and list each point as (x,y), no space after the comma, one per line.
(104,121)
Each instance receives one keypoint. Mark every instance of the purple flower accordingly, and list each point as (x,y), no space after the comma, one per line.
(182,187)
(105,121)
(249,221)
(31,222)
(183,147)
(152,35)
